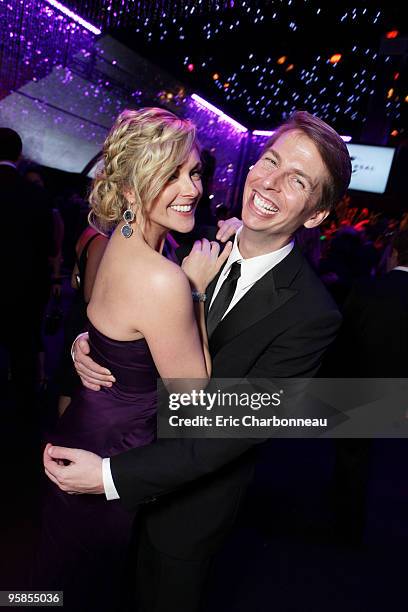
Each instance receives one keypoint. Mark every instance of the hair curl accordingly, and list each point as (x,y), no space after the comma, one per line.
(142,150)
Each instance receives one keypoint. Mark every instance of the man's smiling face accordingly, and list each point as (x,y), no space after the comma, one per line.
(284,186)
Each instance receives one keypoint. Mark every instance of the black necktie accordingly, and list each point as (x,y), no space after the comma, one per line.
(223,298)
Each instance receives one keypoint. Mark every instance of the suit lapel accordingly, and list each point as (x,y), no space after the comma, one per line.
(267,295)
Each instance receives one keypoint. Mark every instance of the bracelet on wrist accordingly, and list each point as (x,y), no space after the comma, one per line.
(198,297)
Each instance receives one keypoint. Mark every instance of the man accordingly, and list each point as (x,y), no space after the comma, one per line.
(376,326)
(268,316)
(25,246)
(376,319)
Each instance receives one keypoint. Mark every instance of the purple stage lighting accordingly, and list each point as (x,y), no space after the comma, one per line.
(74,16)
(218,112)
(263,132)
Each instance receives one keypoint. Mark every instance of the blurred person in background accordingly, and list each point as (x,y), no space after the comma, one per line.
(309,241)
(372,343)
(89,250)
(25,248)
(343,263)
(50,285)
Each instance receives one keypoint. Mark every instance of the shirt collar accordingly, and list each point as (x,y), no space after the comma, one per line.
(8,163)
(402,268)
(254,268)
(235,255)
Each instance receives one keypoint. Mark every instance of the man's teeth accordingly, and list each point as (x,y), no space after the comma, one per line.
(178,208)
(264,206)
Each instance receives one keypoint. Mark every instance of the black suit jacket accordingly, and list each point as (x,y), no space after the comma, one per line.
(280,328)
(376,327)
(27,239)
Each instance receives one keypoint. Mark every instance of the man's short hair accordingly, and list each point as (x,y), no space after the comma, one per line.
(11,145)
(332,149)
(400,244)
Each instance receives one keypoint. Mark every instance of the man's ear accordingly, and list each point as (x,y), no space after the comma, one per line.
(316,219)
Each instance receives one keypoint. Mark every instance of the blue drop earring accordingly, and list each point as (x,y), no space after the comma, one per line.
(128,217)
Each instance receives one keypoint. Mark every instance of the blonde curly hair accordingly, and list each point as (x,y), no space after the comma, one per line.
(142,151)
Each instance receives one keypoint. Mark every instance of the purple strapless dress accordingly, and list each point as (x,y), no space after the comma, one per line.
(85,538)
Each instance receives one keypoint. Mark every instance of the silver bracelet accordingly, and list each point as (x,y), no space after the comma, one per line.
(198,297)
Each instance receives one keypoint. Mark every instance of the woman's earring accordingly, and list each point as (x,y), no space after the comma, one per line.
(128,217)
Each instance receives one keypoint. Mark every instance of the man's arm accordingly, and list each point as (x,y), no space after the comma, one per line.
(142,474)
(92,375)
(145,473)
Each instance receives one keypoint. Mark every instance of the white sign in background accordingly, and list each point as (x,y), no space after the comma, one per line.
(371,167)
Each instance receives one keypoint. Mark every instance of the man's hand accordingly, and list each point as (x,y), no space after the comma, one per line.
(82,475)
(228,228)
(93,376)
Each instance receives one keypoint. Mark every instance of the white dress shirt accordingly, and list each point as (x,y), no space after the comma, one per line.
(402,268)
(251,271)
(108,484)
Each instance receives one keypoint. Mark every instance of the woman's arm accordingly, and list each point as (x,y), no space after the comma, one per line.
(174,333)
(173,325)
(201,266)
(168,323)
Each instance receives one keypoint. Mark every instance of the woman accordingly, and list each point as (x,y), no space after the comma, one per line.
(142,324)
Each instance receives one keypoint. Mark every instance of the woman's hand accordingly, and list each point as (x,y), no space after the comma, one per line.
(228,228)
(204,262)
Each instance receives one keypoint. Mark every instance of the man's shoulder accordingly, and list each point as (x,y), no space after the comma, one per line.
(392,288)
(391,283)
(395,278)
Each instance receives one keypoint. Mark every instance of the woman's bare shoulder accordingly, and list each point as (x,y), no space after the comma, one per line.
(142,277)
(161,275)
